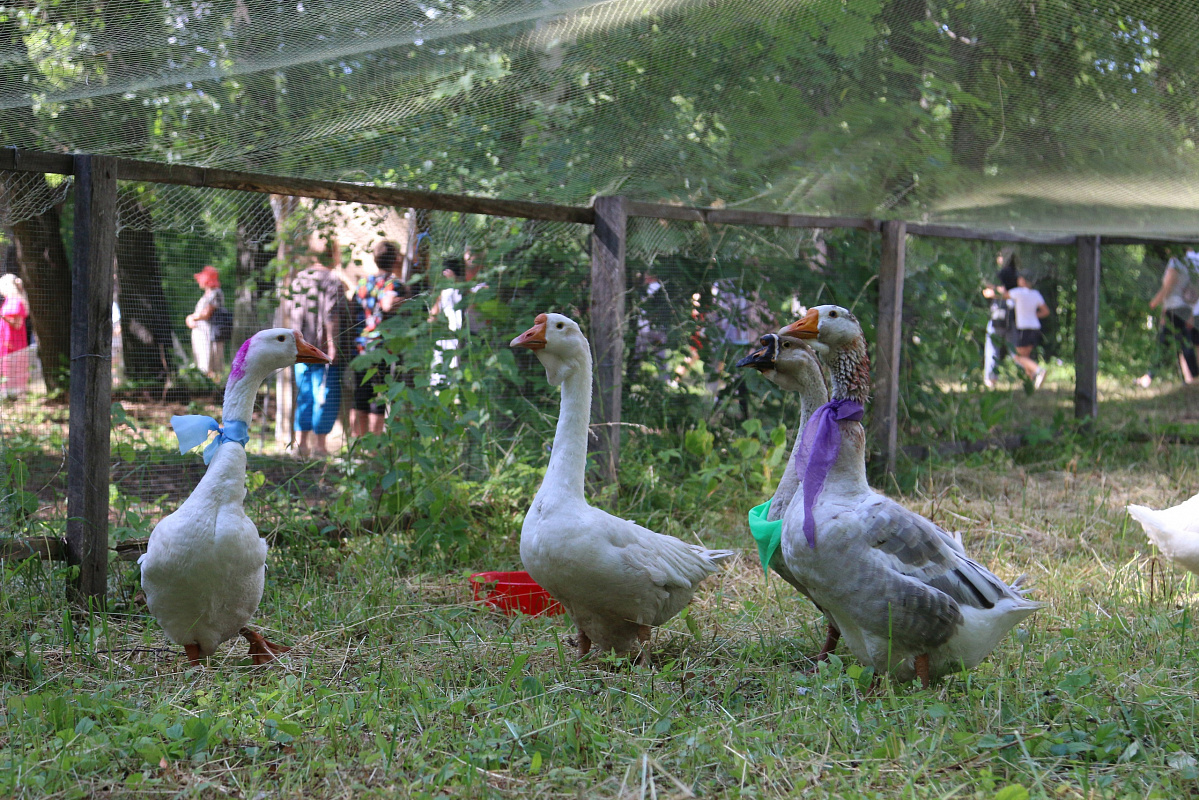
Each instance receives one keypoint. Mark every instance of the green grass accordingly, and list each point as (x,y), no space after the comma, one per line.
(399,685)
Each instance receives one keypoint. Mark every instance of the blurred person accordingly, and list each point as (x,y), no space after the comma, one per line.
(651,321)
(450,304)
(1002,316)
(317,308)
(378,297)
(208,352)
(1176,296)
(14,337)
(473,265)
(118,345)
(1030,309)
(740,318)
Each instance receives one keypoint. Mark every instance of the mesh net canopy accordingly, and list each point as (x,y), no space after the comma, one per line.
(1057,115)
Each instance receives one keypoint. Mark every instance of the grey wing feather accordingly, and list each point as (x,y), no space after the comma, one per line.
(923,616)
(918,548)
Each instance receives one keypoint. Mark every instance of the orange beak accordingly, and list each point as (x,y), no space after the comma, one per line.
(307,354)
(806,328)
(533,338)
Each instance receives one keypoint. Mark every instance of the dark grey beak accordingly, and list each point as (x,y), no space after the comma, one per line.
(763,357)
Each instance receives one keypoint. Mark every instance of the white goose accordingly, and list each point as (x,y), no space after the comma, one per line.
(1174,530)
(904,595)
(616,579)
(204,567)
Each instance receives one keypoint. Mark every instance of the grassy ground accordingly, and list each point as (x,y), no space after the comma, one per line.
(399,685)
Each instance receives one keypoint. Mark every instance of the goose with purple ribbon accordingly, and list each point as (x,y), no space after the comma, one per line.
(905,596)
(790,364)
(204,567)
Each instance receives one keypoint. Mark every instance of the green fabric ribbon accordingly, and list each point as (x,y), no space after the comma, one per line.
(768,535)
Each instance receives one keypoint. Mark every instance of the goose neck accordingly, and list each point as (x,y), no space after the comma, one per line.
(849,469)
(568,459)
(850,372)
(811,397)
(240,393)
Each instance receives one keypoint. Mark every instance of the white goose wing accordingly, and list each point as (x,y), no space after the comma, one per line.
(661,571)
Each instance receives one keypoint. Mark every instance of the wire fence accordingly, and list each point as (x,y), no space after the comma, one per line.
(430,395)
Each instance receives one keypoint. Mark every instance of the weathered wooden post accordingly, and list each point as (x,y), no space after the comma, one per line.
(91,376)
(608,329)
(885,418)
(1086,330)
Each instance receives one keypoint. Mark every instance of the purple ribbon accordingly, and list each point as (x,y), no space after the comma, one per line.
(821,442)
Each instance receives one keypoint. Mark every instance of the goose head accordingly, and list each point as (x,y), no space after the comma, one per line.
(559,344)
(829,327)
(272,349)
(787,362)
(836,335)
(260,355)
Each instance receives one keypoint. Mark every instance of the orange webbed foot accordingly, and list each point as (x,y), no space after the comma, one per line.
(262,651)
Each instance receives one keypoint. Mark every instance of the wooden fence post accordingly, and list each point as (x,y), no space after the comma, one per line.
(608,328)
(1086,330)
(885,417)
(91,376)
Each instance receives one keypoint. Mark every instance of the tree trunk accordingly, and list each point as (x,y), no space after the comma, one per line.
(283,207)
(967,123)
(145,327)
(255,230)
(46,273)
(44,266)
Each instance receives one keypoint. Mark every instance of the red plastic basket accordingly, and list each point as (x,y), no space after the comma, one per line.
(513,593)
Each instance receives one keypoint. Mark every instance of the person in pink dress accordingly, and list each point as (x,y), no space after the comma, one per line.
(14,337)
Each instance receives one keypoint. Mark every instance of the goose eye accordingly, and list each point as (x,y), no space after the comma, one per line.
(786,345)
(832,313)
(560,326)
(280,338)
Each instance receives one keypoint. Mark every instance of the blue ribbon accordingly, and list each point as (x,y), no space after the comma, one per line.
(193,430)
(818,452)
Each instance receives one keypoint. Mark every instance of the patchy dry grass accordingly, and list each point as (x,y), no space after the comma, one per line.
(398,685)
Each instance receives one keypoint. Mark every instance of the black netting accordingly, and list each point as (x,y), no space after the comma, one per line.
(1058,116)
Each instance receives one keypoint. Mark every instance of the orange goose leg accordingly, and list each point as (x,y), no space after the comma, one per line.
(584,643)
(830,644)
(262,651)
(193,654)
(644,632)
(922,670)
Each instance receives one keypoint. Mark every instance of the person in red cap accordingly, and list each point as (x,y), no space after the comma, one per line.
(209,353)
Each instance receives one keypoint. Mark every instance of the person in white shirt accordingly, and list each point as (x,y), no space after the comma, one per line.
(997,326)
(1176,295)
(449,303)
(1030,310)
